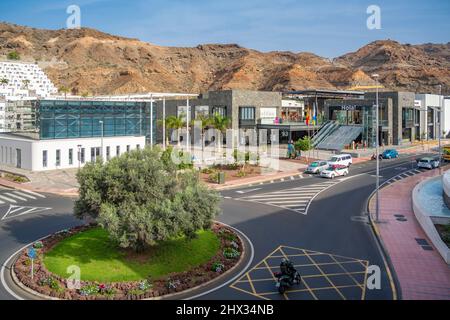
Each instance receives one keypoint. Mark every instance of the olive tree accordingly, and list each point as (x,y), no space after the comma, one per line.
(141,199)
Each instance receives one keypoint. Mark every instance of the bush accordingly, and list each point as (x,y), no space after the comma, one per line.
(183,159)
(13,55)
(217,267)
(141,200)
(231,253)
(89,290)
(303,144)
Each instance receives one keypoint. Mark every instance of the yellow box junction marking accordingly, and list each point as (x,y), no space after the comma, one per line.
(342,277)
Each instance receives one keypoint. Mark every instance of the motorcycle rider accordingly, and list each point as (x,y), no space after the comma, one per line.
(287,268)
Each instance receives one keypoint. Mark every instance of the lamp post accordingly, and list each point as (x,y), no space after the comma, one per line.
(102,127)
(377,203)
(440,120)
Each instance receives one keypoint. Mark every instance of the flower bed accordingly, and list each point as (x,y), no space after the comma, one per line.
(52,285)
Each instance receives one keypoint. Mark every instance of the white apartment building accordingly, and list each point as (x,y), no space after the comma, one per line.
(41,155)
(2,115)
(431,118)
(24,80)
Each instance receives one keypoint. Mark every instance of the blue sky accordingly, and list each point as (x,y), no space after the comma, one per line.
(326,27)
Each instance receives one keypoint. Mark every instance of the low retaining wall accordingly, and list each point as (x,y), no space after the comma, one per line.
(427,222)
(446,184)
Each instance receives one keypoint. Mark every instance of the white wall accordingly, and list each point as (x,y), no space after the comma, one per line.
(8,151)
(446,116)
(32,150)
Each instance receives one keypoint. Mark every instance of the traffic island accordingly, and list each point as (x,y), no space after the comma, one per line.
(107,272)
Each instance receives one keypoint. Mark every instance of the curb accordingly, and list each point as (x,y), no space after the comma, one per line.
(164,297)
(243,184)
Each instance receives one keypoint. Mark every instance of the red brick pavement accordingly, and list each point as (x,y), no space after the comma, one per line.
(423,275)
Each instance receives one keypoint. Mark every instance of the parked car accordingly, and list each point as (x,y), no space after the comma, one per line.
(428,163)
(390,154)
(334,171)
(317,167)
(342,160)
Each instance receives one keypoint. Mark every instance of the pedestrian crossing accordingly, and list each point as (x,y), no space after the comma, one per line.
(403,175)
(18,196)
(295,199)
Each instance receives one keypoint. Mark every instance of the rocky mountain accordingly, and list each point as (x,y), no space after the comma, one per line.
(90,61)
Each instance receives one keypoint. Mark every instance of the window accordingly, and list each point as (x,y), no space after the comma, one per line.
(44,158)
(92,154)
(128,148)
(138,147)
(70,156)
(82,155)
(118,151)
(247,113)
(222,111)
(58,158)
(108,153)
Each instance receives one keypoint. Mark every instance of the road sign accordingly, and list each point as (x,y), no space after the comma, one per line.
(32,253)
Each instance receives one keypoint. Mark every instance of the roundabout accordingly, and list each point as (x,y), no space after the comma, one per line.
(213,273)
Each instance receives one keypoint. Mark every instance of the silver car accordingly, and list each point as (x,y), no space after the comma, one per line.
(428,163)
(317,167)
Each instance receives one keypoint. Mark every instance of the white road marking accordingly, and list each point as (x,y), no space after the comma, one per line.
(16,196)
(23,194)
(25,210)
(292,178)
(7,199)
(247,191)
(33,193)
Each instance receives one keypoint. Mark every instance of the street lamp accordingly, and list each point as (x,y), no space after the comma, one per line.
(377,204)
(102,127)
(440,120)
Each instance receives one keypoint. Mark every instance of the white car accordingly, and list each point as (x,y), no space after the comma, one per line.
(341,160)
(317,167)
(334,171)
(428,163)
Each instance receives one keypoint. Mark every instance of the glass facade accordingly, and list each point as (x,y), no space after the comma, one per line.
(59,119)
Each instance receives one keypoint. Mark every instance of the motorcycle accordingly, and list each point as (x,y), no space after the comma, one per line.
(285,281)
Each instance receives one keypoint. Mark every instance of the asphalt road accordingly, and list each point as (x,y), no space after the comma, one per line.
(331,247)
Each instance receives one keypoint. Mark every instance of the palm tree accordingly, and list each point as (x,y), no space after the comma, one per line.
(26,83)
(221,124)
(64,90)
(175,123)
(4,81)
(206,122)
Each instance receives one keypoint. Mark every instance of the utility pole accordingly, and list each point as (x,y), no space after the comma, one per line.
(377,219)
(102,127)
(440,120)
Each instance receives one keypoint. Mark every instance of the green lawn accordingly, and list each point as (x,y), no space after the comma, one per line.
(100,260)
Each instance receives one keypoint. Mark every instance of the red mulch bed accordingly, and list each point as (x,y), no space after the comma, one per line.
(122,290)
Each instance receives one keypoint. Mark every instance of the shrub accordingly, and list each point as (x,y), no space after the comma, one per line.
(145,285)
(208,170)
(141,200)
(217,267)
(38,245)
(231,253)
(303,144)
(50,282)
(89,290)
(13,55)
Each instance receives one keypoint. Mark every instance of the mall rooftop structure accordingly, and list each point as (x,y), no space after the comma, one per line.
(60,132)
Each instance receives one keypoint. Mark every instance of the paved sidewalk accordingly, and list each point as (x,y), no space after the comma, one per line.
(61,181)
(422,274)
